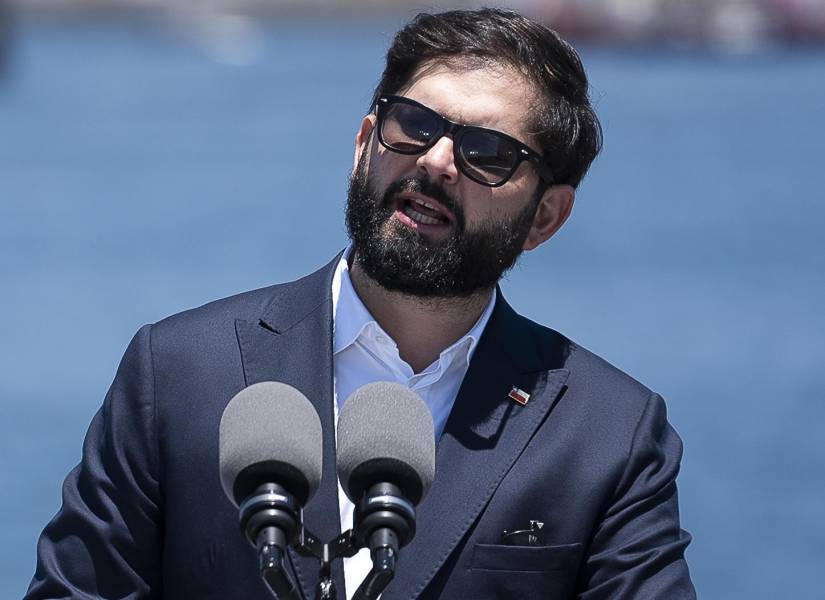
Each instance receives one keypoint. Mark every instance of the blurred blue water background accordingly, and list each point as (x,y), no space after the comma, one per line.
(140,175)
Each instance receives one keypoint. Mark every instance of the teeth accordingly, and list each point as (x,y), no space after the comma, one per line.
(425,204)
(420,218)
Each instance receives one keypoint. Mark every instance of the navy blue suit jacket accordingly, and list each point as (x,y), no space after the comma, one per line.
(591,455)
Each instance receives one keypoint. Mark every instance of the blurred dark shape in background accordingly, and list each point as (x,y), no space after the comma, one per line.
(5,38)
(732,25)
(737,25)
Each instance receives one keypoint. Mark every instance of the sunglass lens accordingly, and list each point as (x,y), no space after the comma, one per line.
(487,156)
(407,128)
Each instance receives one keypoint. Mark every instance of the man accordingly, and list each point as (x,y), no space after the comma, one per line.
(478,134)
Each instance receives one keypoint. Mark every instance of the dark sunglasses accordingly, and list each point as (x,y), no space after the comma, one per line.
(486,156)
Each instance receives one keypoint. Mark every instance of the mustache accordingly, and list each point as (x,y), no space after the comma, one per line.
(419,185)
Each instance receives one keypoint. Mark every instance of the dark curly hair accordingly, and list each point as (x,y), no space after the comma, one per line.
(564,124)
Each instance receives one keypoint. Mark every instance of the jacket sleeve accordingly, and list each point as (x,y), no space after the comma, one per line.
(105,541)
(638,548)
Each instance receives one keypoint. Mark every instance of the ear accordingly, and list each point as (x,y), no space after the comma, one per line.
(553,209)
(362,138)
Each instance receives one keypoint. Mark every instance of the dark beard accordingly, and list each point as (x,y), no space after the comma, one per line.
(400,259)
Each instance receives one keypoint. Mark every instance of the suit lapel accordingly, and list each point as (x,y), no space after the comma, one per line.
(485,434)
(292,343)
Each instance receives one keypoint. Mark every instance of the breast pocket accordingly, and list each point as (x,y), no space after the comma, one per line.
(499,571)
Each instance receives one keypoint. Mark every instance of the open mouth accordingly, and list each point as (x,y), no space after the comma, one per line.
(423,211)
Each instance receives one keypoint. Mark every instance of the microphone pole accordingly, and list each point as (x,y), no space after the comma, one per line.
(385,520)
(386,464)
(272,517)
(270,453)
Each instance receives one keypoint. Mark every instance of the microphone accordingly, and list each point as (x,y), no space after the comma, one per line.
(270,448)
(386,464)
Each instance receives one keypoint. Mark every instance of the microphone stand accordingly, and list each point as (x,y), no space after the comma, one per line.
(345,546)
(271,565)
(342,546)
(270,561)
(384,521)
(379,577)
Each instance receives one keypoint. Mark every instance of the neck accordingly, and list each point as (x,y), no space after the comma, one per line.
(421,327)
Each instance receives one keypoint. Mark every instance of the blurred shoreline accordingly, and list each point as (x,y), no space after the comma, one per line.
(733,25)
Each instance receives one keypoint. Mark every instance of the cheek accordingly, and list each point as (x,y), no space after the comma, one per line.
(481,203)
(516,194)
(499,207)
(385,167)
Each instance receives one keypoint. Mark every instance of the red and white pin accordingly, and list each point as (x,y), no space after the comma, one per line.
(519,395)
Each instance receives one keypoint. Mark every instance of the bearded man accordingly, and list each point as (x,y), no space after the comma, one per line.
(478,134)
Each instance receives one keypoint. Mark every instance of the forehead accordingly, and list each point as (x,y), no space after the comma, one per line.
(491,96)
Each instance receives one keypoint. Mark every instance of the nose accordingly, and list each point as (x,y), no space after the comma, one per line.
(438,163)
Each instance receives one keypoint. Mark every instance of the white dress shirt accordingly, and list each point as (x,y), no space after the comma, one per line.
(364,353)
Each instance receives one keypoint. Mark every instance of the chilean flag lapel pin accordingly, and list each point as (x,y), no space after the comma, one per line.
(519,395)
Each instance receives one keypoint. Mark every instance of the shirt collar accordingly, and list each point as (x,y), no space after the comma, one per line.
(351,318)
(349,315)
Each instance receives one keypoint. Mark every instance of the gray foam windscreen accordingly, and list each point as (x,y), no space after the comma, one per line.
(385,423)
(270,423)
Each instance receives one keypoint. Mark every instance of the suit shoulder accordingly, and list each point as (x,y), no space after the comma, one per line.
(603,404)
(588,372)
(247,306)
(215,315)
(600,373)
